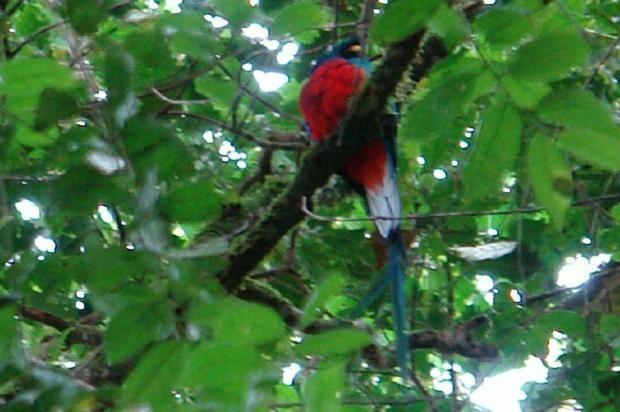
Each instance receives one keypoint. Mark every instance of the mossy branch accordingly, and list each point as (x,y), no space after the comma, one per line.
(361,126)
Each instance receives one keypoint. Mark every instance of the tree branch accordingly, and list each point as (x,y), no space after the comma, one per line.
(80,334)
(319,164)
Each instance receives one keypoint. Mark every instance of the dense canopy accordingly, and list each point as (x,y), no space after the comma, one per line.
(171,240)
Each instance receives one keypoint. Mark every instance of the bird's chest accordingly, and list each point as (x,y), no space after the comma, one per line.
(326,97)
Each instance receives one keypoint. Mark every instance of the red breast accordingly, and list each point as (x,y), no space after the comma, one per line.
(325,98)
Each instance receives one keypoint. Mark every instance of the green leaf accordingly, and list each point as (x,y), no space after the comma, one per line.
(219,88)
(592,147)
(23,79)
(32,138)
(450,94)
(85,16)
(189,34)
(240,323)
(151,56)
(502,26)
(524,93)
(92,187)
(550,56)
(609,327)
(450,25)
(615,213)
(10,346)
(155,377)
(403,18)
(271,5)
(495,151)
(565,321)
(299,17)
(31,17)
(578,109)
(321,391)
(237,12)
(335,342)
(154,145)
(111,267)
(226,374)
(328,288)
(142,134)
(133,328)
(55,105)
(118,76)
(192,202)
(551,178)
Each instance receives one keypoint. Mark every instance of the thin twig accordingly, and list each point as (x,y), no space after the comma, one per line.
(121,5)
(560,291)
(291,145)
(120,226)
(34,36)
(26,178)
(336,8)
(596,212)
(258,98)
(467,213)
(369,402)
(427,396)
(15,7)
(263,170)
(207,68)
(167,99)
(364,22)
(453,377)
(601,62)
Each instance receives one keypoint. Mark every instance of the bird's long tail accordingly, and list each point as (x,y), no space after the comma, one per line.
(393,278)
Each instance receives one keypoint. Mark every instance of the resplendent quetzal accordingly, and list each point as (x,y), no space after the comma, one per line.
(335,82)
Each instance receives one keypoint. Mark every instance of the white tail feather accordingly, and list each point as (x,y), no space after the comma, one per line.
(384,201)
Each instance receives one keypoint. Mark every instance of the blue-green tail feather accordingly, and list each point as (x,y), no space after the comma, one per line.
(394,278)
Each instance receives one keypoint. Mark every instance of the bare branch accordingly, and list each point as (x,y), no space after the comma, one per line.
(466,213)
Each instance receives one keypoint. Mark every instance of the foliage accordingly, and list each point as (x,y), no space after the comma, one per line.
(142,134)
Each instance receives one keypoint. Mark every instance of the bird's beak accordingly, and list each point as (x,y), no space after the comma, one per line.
(355,48)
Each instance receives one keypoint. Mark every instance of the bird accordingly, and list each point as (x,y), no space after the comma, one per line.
(334,85)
